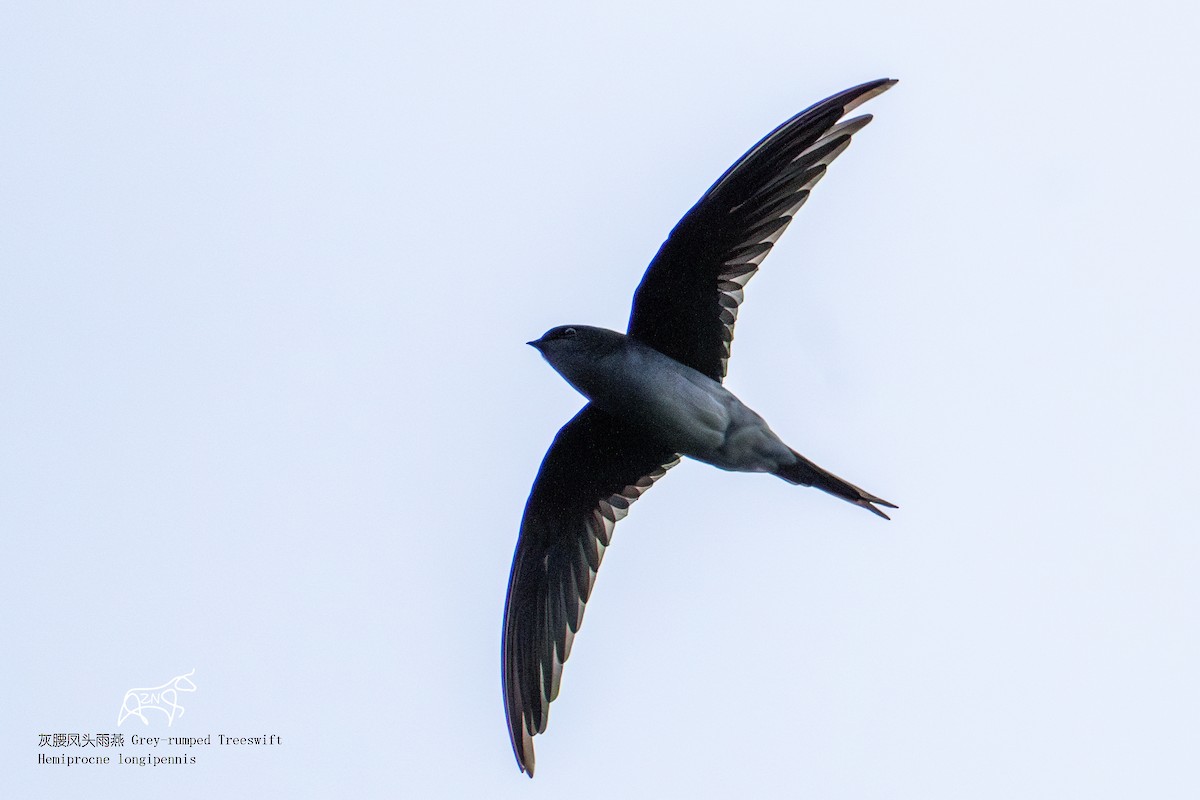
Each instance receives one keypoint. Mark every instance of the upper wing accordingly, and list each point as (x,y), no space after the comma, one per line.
(596,467)
(688,300)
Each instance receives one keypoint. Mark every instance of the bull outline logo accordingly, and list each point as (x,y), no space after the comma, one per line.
(163,698)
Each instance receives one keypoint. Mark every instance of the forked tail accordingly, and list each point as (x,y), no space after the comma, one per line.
(806,473)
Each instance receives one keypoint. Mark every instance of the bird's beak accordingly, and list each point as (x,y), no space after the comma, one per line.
(536,344)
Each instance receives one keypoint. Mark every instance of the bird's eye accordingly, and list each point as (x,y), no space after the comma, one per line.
(566,332)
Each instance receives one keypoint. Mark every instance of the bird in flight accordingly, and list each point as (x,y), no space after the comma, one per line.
(654,394)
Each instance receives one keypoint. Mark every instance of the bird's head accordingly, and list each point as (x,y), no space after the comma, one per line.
(576,351)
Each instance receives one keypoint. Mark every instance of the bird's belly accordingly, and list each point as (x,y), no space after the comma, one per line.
(688,418)
(697,417)
(688,412)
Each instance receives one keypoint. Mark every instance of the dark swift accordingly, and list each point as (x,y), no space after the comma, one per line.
(654,394)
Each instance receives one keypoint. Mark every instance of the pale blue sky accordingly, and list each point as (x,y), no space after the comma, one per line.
(267,412)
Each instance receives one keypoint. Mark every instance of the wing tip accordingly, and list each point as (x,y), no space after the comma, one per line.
(522,744)
(866,91)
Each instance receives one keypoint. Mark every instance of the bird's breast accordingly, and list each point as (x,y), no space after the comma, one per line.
(682,408)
